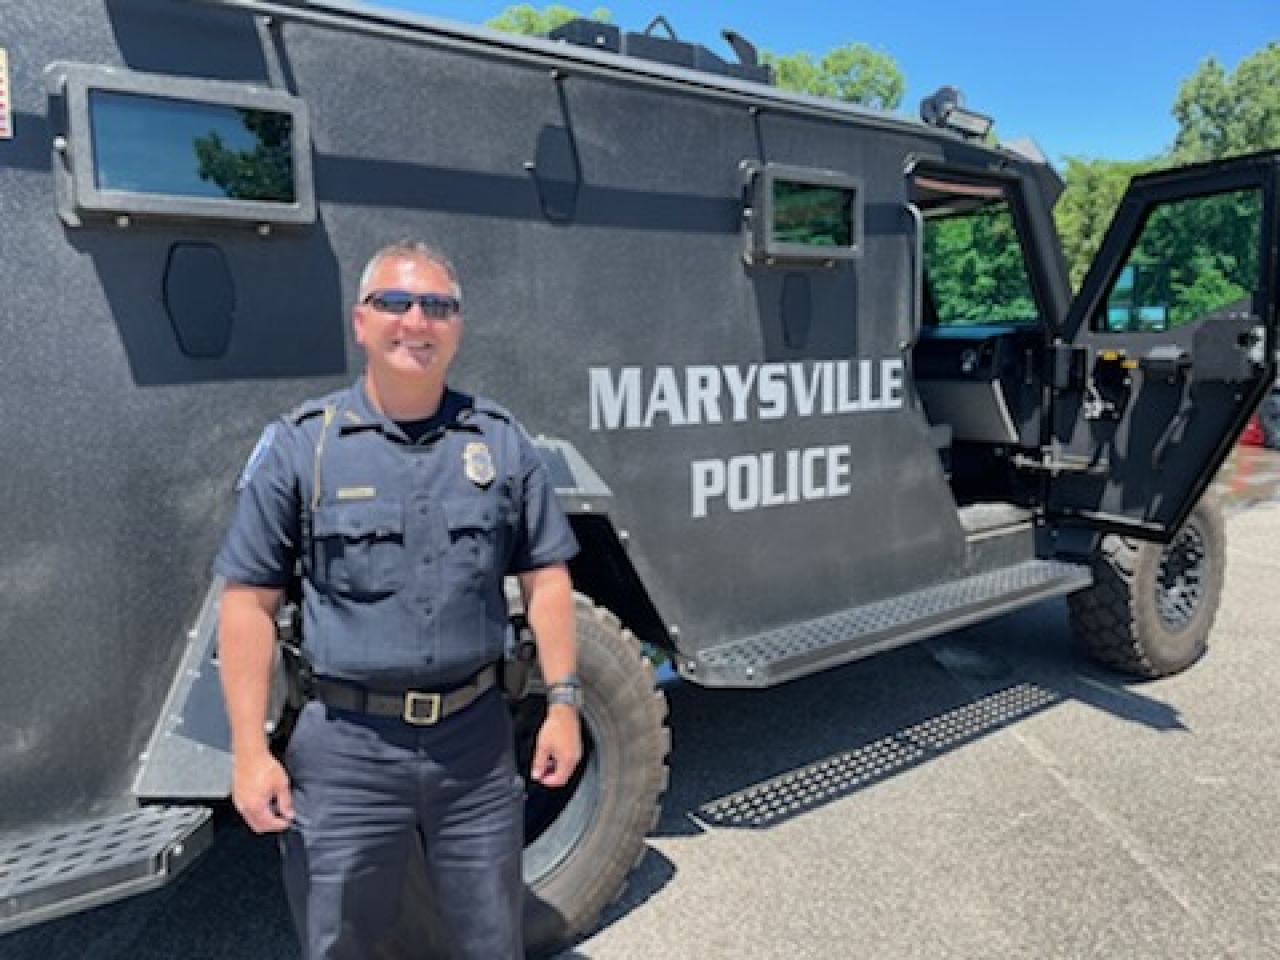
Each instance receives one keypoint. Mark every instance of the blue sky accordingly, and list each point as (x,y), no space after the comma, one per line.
(1093,78)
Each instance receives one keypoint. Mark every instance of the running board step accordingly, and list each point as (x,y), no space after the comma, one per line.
(779,655)
(59,872)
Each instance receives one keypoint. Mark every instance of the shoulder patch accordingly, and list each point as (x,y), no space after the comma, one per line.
(257,455)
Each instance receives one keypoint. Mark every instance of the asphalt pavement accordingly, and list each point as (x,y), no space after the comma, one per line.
(988,794)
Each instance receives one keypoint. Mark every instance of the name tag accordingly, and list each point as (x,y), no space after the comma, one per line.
(357,493)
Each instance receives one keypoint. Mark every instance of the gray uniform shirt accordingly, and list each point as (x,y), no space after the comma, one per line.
(402,546)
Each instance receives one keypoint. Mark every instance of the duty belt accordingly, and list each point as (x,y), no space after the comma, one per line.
(421,708)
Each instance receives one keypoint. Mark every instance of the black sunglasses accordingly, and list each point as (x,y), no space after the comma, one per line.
(437,306)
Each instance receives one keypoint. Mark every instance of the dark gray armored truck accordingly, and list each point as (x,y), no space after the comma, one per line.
(810,380)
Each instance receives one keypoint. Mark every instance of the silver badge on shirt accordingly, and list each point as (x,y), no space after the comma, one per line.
(478,463)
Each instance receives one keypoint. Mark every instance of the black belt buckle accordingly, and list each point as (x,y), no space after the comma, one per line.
(421,709)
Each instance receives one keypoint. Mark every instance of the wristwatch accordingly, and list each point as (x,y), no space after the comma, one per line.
(567,691)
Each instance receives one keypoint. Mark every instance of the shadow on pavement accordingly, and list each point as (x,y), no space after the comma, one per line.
(752,759)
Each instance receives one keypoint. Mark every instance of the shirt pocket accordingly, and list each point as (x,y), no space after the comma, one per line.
(359,548)
(478,538)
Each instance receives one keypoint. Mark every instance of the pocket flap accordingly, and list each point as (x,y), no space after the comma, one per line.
(472,514)
(359,520)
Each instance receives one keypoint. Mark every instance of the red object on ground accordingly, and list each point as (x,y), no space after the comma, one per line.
(1252,434)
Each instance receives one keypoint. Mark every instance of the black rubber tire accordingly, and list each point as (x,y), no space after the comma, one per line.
(1151,606)
(583,842)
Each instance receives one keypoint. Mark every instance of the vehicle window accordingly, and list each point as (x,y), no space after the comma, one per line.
(811,215)
(802,214)
(1194,257)
(158,145)
(975,268)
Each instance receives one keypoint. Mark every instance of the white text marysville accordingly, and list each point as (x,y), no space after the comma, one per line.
(633,398)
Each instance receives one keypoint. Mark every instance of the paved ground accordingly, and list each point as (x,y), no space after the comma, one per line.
(986,795)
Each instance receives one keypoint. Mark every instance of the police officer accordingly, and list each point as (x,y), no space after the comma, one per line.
(404,503)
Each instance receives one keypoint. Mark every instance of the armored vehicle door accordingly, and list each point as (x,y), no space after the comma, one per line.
(1169,346)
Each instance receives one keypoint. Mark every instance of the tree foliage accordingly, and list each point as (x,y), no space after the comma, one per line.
(853,72)
(263,173)
(1219,114)
(1094,189)
(976,270)
(1222,114)
(1198,255)
(527,19)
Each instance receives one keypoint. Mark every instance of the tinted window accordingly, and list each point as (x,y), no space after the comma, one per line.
(159,145)
(809,215)
(1194,257)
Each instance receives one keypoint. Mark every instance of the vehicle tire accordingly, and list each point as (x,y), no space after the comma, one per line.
(1269,420)
(1151,606)
(581,842)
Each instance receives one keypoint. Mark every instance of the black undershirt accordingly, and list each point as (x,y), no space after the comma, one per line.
(450,406)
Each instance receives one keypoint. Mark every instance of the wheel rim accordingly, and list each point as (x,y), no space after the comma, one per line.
(1180,579)
(555,820)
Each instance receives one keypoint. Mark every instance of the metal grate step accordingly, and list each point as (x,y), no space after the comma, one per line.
(778,655)
(82,865)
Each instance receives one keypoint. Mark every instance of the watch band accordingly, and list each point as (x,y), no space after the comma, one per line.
(564,693)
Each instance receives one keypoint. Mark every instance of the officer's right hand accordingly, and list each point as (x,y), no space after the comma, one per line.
(260,791)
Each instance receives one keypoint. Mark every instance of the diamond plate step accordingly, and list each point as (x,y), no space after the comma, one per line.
(82,865)
(776,656)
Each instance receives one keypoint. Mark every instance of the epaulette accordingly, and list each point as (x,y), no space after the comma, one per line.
(315,407)
(489,408)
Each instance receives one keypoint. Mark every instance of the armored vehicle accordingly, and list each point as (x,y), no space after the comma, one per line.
(810,379)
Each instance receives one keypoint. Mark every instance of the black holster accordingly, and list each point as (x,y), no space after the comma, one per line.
(516,668)
(298,674)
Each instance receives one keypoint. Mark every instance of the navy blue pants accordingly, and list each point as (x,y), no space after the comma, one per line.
(365,789)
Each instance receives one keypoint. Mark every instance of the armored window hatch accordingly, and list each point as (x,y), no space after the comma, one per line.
(158,146)
(801,215)
(82,865)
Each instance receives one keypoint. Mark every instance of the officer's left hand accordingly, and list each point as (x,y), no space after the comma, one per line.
(559,746)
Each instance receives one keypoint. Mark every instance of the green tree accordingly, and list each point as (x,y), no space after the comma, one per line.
(526,19)
(1084,211)
(853,72)
(1223,114)
(1219,114)
(263,173)
(976,271)
(1200,254)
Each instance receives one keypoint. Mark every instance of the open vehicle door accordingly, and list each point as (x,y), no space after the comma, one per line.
(1170,347)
